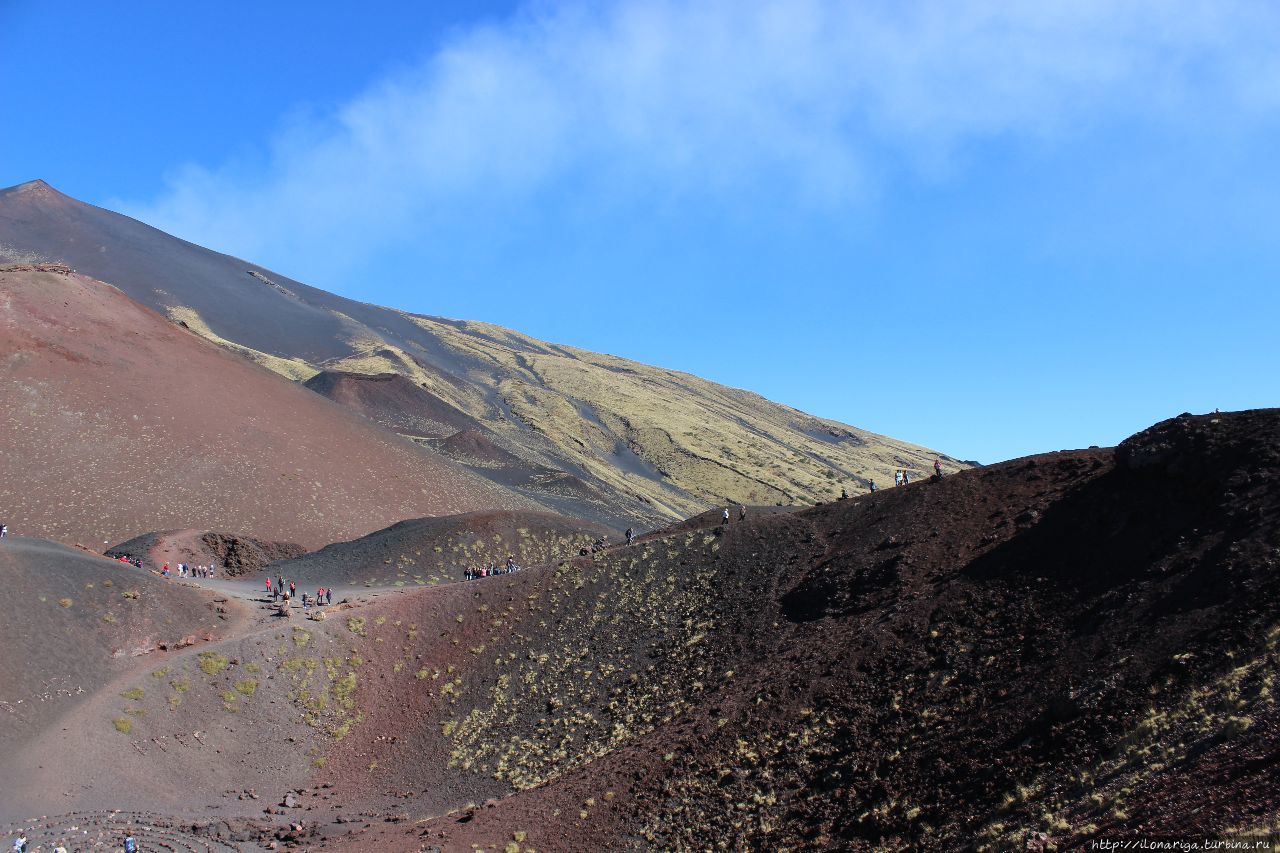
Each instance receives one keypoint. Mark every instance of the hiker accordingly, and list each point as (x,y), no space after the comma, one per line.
(328,596)
(511,564)
(306,601)
(130,846)
(897,478)
(269,588)
(844,493)
(725,515)
(937,468)
(20,844)
(4,530)
(873,486)
(742,513)
(293,589)
(631,534)
(280,581)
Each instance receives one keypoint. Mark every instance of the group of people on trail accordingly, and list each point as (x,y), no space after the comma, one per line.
(184,571)
(742,514)
(477,572)
(284,593)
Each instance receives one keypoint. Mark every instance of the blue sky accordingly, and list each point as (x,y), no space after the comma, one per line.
(994,228)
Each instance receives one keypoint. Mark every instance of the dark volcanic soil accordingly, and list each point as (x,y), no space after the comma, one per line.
(1059,644)
(1050,650)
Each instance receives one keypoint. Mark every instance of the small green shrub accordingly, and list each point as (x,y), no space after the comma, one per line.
(123,725)
(247,687)
(134,693)
(212,663)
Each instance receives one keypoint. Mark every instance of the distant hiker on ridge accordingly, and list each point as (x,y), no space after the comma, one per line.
(873,486)
(897,478)
(631,534)
(937,468)
(4,530)
(726,515)
(742,513)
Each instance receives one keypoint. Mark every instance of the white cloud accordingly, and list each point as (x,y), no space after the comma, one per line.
(815,101)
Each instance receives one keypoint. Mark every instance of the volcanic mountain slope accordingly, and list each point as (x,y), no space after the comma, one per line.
(665,443)
(114,421)
(1072,644)
(429,551)
(394,401)
(410,410)
(72,621)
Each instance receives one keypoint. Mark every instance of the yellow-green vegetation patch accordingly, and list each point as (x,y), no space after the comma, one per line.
(253,667)
(160,673)
(227,696)
(180,684)
(109,618)
(343,689)
(247,687)
(355,625)
(320,762)
(175,701)
(301,637)
(122,725)
(212,663)
(134,693)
